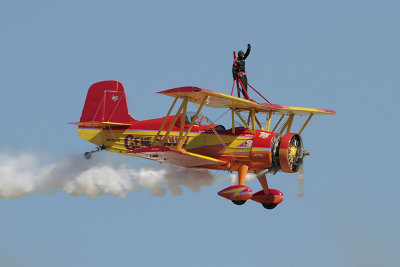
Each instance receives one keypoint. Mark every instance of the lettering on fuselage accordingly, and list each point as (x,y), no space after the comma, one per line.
(135,142)
(264,135)
(113,140)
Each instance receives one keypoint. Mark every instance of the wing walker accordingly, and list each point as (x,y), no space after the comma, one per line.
(190,140)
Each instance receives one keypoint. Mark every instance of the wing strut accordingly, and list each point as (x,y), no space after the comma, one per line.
(253,121)
(305,124)
(165,120)
(288,124)
(181,141)
(184,104)
(244,122)
(277,124)
(233,121)
(183,118)
(269,121)
(259,124)
(219,138)
(181,112)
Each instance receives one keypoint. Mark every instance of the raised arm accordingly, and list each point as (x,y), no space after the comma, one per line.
(247,51)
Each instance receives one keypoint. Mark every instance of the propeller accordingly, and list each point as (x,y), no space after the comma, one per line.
(300,191)
(302,153)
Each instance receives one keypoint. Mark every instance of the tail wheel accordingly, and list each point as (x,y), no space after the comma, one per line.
(87,155)
(269,206)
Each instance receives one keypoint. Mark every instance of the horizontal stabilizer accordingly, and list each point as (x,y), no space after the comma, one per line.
(99,124)
(177,157)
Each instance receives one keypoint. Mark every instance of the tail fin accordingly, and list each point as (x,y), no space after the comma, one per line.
(106,102)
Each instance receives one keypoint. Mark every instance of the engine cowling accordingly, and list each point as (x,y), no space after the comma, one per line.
(290,150)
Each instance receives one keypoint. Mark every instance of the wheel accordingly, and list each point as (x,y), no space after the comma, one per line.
(269,206)
(239,202)
(87,155)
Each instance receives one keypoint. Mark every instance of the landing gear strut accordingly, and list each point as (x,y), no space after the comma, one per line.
(88,155)
(239,194)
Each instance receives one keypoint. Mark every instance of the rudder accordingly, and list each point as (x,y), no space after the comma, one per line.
(106,101)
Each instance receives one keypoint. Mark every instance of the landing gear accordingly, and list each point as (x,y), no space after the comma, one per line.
(239,194)
(88,155)
(239,202)
(269,206)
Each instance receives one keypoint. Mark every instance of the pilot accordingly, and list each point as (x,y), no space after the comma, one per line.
(239,70)
(196,122)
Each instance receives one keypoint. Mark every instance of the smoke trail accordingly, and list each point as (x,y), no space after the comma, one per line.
(26,174)
(233,178)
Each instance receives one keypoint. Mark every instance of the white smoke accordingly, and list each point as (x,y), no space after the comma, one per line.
(233,178)
(26,174)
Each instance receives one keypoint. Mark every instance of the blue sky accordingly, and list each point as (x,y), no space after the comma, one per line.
(340,55)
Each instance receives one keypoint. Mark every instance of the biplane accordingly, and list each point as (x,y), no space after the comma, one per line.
(190,140)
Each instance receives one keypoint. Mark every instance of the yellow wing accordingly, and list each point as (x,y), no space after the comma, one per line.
(219,100)
(177,157)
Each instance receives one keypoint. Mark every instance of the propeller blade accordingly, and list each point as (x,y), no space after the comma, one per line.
(300,192)
(302,154)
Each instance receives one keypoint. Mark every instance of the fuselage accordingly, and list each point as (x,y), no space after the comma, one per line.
(238,148)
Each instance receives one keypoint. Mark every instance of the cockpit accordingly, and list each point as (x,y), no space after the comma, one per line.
(201,120)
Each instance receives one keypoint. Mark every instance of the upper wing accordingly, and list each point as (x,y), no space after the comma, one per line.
(177,157)
(219,100)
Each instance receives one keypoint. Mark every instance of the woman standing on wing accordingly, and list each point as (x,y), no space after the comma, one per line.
(239,70)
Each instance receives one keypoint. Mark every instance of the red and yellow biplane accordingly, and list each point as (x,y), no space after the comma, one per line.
(190,140)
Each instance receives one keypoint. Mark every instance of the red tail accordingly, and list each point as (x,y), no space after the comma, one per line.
(106,101)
